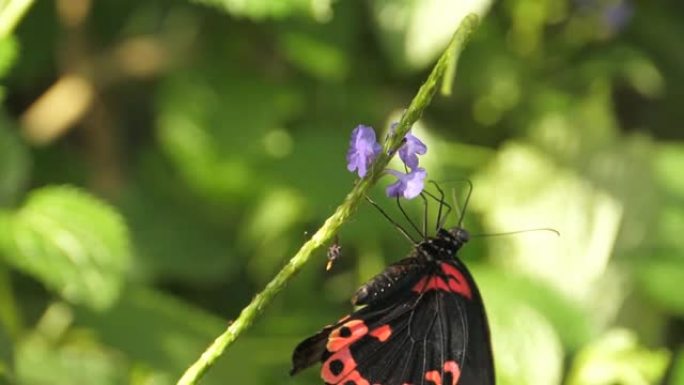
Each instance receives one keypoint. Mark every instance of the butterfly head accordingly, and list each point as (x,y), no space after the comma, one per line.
(459,235)
(445,244)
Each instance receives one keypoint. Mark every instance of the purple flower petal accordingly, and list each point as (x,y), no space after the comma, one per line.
(408,185)
(617,16)
(410,150)
(363,149)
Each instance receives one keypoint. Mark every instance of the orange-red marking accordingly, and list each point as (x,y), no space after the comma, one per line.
(356,378)
(382,333)
(348,365)
(435,376)
(456,282)
(357,329)
(459,284)
(452,367)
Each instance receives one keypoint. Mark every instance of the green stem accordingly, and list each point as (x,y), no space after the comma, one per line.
(11,14)
(10,317)
(414,111)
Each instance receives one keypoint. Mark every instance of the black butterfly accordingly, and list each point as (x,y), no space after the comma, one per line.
(423,323)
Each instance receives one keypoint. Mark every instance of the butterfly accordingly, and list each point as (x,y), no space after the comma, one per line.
(423,322)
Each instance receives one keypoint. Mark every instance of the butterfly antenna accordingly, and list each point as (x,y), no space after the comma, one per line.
(408,219)
(519,232)
(425,215)
(467,200)
(442,203)
(395,224)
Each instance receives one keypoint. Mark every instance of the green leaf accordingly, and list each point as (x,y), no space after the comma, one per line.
(8,54)
(662,282)
(669,162)
(313,55)
(527,347)
(39,362)
(70,241)
(617,358)
(677,376)
(166,334)
(200,136)
(569,320)
(263,9)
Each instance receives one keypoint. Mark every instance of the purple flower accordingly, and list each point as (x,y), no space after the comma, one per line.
(408,185)
(363,149)
(617,16)
(410,150)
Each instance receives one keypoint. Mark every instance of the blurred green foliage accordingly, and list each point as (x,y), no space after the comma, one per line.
(213,142)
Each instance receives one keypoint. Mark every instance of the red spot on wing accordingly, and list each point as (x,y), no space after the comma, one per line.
(453,368)
(434,376)
(354,378)
(353,329)
(430,283)
(338,366)
(457,282)
(382,333)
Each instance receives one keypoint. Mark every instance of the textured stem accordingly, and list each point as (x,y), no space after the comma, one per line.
(10,15)
(342,213)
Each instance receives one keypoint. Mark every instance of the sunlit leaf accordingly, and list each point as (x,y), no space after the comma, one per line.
(265,9)
(569,320)
(527,349)
(669,164)
(525,190)
(414,32)
(8,54)
(617,358)
(71,242)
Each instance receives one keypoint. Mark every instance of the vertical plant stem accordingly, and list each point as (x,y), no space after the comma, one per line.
(10,317)
(342,213)
(11,14)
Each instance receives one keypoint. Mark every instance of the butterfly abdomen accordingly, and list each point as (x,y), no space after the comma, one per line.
(390,281)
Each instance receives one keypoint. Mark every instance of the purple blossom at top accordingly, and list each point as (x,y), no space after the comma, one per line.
(617,16)
(410,150)
(408,185)
(363,149)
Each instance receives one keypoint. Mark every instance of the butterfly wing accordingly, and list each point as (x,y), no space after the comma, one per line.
(417,335)
(478,368)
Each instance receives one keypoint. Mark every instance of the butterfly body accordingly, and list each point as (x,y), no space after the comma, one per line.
(422,323)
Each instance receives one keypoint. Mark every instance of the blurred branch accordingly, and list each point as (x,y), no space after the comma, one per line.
(73,95)
(10,15)
(86,75)
(58,109)
(342,213)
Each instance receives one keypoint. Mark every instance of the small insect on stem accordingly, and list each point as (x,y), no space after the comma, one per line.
(334,252)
